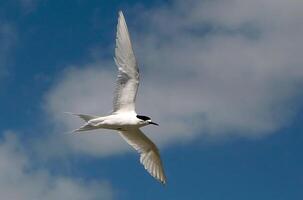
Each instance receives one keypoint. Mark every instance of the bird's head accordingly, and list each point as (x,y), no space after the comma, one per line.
(144,120)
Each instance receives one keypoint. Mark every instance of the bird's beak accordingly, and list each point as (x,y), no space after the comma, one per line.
(154,123)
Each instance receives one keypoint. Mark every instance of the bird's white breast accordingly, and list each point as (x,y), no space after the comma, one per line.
(119,121)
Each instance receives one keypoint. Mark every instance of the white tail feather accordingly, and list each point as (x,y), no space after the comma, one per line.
(85,117)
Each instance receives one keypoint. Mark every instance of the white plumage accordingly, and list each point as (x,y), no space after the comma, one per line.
(124,118)
(149,153)
(128,75)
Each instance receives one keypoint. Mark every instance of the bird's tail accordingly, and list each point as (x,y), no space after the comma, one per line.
(85,127)
(83,116)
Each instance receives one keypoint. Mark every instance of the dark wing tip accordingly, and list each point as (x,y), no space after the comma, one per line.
(163,182)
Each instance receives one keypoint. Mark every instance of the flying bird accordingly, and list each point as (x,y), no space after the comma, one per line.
(124,118)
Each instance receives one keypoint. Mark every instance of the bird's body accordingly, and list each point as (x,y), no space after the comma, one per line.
(124,118)
(118,121)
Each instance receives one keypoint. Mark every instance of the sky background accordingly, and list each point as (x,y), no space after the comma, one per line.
(223,78)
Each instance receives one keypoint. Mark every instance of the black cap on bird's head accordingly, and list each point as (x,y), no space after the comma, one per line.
(145,118)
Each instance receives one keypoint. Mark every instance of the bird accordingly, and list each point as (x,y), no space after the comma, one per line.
(124,118)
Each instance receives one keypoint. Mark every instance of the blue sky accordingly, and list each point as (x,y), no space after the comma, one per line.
(228,99)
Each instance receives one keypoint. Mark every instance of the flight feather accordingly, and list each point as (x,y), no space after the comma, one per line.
(149,153)
(128,73)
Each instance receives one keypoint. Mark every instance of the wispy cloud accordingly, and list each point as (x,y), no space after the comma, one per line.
(208,67)
(18,180)
(89,90)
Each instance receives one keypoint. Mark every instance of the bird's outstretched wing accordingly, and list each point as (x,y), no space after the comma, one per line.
(128,75)
(149,153)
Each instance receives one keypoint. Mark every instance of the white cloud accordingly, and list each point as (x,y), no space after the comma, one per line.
(83,91)
(208,67)
(20,181)
(90,90)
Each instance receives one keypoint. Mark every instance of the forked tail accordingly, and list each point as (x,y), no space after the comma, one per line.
(83,116)
(86,118)
(85,127)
